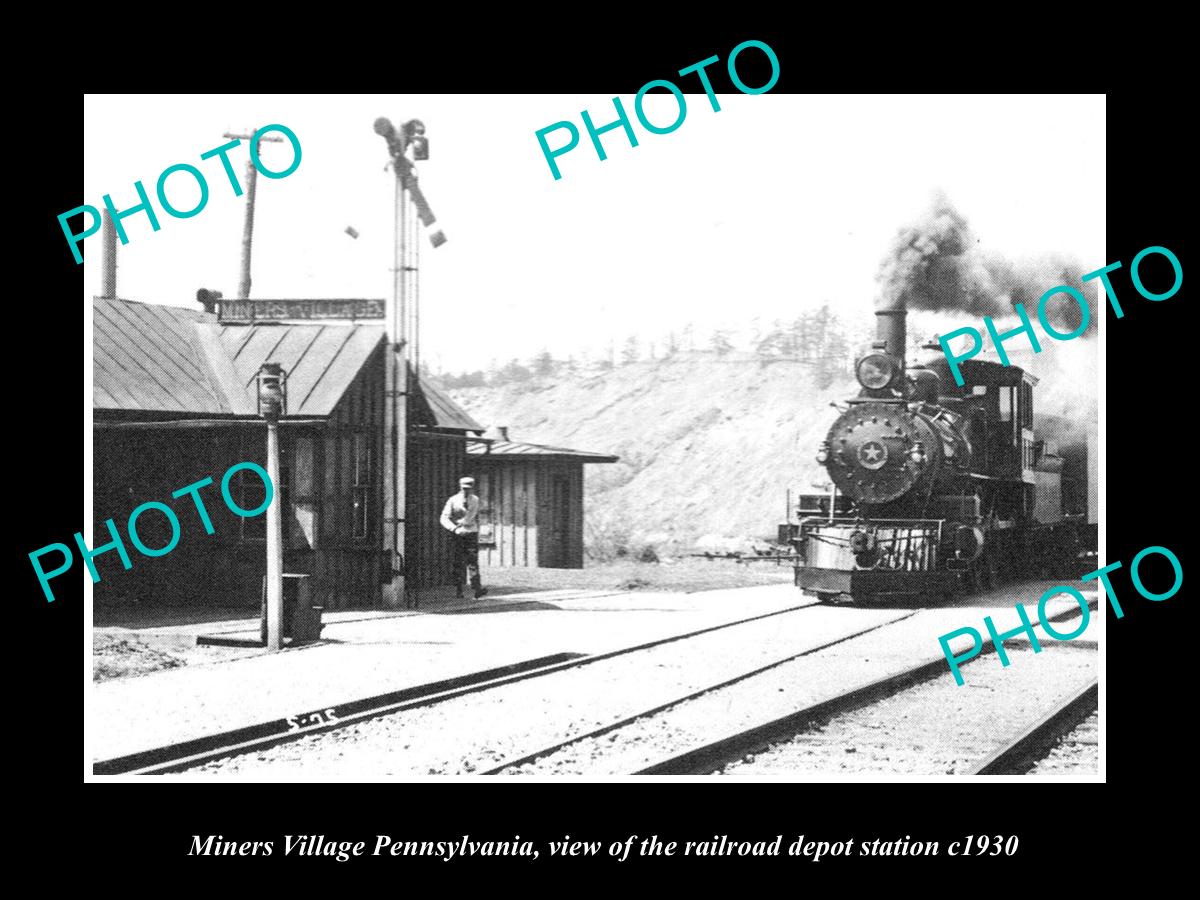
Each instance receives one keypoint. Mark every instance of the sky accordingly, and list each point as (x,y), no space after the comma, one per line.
(767,208)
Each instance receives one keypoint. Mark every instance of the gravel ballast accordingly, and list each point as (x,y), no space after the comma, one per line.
(478,731)
(811,679)
(1076,753)
(935,728)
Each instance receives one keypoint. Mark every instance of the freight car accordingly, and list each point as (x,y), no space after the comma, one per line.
(938,488)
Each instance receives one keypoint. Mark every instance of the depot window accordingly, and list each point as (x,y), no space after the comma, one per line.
(302,512)
(361,494)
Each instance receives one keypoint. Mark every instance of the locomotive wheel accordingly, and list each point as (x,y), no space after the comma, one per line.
(977,577)
(991,570)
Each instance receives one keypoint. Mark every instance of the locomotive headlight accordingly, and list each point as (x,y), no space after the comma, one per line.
(917,453)
(823,452)
(875,371)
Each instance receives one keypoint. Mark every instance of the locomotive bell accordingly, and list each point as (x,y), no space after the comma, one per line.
(924,385)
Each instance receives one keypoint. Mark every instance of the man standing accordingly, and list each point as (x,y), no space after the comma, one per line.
(460,516)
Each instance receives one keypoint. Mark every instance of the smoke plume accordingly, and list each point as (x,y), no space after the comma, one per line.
(937,264)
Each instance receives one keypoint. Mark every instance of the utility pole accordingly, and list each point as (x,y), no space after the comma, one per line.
(401,322)
(248,227)
(108,238)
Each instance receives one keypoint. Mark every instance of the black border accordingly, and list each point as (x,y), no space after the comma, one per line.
(1148,451)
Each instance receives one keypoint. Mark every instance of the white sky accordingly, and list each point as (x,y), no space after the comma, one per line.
(772,205)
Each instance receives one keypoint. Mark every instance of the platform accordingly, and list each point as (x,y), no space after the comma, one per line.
(369,653)
(363,653)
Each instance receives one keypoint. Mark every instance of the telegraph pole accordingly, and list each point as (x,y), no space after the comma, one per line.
(248,227)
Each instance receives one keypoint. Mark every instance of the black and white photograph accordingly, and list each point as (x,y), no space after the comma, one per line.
(535,437)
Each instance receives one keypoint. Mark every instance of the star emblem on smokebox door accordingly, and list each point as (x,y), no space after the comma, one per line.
(872,455)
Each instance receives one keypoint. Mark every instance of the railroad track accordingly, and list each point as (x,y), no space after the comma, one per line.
(1015,755)
(1023,752)
(707,689)
(232,744)
(186,754)
(634,734)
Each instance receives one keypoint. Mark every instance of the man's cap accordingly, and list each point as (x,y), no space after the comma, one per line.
(466,482)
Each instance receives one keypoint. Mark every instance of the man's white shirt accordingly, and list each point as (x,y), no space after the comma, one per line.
(460,512)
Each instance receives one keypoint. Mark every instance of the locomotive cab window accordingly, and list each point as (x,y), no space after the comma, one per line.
(1026,405)
(1005,396)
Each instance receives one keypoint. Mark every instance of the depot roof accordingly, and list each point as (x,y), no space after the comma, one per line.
(177,362)
(518,450)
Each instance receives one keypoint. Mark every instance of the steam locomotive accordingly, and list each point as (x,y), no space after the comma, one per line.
(938,488)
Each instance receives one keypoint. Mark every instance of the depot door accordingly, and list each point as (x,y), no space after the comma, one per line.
(560,510)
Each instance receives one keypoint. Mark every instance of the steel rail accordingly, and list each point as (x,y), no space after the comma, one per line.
(185,754)
(554,748)
(1018,755)
(732,748)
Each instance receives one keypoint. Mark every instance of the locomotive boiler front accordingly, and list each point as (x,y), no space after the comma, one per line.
(879,451)
(895,440)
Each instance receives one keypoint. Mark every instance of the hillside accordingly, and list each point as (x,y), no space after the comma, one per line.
(709,445)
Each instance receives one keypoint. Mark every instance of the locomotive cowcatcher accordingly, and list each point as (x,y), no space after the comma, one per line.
(939,488)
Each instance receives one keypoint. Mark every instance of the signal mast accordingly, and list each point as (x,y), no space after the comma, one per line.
(403,321)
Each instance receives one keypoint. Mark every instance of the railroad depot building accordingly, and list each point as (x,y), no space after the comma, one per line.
(530,501)
(175,401)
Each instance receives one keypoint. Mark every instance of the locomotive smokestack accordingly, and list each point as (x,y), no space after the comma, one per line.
(889,330)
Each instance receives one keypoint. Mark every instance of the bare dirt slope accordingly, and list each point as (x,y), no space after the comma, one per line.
(708,444)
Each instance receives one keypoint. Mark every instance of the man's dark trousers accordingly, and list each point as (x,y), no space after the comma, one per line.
(467,559)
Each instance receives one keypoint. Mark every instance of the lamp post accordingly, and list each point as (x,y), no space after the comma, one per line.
(272,403)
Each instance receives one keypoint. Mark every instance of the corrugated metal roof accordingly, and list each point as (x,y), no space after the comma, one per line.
(146,358)
(444,412)
(517,448)
(169,359)
(320,360)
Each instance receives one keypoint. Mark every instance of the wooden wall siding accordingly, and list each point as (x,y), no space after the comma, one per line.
(133,466)
(575,522)
(521,495)
(562,543)
(435,465)
(510,491)
(548,548)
